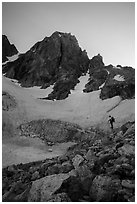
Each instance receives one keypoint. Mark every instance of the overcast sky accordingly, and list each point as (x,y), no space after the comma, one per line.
(105,28)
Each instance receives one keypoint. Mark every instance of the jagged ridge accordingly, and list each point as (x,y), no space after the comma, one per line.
(7,48)
(58,60)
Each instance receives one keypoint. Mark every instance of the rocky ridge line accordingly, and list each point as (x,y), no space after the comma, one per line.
(58,60)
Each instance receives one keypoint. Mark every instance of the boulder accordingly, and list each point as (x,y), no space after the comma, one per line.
(127,149)
(89,155)
(35,176)
(77,160)
(128,184)
(103,188)
(44,188)
(66,167)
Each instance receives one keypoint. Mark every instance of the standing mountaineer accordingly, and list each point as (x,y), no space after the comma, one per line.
(111,121)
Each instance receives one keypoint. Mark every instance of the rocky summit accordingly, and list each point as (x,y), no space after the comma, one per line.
(7,49)
(59,61)
(55,60)
(113,81)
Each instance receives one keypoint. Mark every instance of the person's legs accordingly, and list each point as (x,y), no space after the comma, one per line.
(111,125)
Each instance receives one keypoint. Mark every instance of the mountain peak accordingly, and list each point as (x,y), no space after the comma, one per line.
(7,49)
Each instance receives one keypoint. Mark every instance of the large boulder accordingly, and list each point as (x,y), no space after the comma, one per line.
(43,189)
(104,188)
(127,149)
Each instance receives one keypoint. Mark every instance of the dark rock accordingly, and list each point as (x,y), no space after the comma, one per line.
(63,158)
(132,199)
(73,188)
(17,188)
(105,158)
(7,49)
(66,167)
(23,197)
(54,169)
(126,126)
(103,188)
(86,183)
(56,59)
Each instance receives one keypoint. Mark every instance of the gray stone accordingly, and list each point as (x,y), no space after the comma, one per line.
(77,160)
(103,187)
(128,184)
(35,176)
(44,188)
(60,197)
(127,150)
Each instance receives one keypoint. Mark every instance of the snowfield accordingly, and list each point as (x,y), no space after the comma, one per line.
(85,109)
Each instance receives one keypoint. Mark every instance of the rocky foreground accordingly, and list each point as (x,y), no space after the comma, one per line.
(99,168)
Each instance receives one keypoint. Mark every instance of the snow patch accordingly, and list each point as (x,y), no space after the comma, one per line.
(119,78)
(102,85)
(5,62)
(81,85)
(11,59)
(37,92)
(108,71)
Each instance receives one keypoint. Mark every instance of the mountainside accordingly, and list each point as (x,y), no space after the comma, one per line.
(113,81)
(59,61)
(57,150)
(7,49)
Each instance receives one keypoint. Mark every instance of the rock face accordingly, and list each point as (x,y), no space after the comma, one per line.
(59,61)
(7,49)
(113,81)
(55,60)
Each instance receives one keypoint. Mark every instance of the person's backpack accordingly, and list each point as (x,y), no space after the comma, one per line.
(113,119)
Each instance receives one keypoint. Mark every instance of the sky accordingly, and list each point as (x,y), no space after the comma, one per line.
(107,28)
